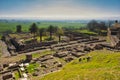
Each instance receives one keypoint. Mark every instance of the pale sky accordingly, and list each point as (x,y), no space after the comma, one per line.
(60,9)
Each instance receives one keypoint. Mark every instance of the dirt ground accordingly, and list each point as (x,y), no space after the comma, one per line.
(12,58)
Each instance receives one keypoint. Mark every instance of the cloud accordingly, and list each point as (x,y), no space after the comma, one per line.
(66,10)
(61,9)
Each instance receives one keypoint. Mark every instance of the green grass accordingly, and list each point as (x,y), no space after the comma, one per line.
(17,76)
(108,39)
(104,65)
(31,68)
(11,26)
(85,31)
(37,55)
(43,38)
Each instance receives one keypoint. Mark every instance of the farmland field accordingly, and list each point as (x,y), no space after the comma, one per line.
(11,26)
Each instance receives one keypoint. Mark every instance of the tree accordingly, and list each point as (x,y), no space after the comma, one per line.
(102,26)
(97,27)
(92,25)
(18,28)
(51,30)
(60,32)
(33,29)
(116,21)
(41,31)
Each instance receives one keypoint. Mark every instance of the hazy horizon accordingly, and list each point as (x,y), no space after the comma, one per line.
(60,9)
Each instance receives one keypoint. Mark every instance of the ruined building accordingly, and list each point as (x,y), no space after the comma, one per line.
(24,42)
(114,34)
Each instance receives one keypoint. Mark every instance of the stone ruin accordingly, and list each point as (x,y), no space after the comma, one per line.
(114,35)
(7,76)
(60,54)
(46,57)
(67,51)
(20,43)
(28,57)
(1,67)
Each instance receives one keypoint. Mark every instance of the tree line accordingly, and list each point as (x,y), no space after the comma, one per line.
(40,31)
(96,26)
(93,26)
